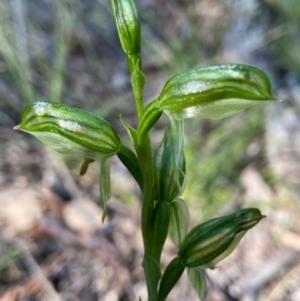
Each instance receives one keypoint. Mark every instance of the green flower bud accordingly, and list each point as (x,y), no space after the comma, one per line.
(210,242)
(128,25)
(70,130)
(214,92)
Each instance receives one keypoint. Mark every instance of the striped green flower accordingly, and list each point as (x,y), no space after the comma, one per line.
(69,130)
(210,242)
(214,92)
(209,93)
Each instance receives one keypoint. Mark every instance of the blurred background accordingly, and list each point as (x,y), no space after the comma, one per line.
(53,245)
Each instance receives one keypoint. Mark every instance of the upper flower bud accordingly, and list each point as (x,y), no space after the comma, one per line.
(128,25)
(210,242)
(70,130)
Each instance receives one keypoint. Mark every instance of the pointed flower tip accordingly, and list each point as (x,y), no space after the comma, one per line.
(17,127)
(275,98)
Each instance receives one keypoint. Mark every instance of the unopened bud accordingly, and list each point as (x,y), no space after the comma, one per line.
(210,242)
(128,25)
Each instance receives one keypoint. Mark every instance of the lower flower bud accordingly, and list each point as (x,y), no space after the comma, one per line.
(210,242)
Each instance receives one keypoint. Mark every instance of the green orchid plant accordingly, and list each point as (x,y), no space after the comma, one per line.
(212,92)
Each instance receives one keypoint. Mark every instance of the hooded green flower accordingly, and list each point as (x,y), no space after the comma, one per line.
(70,130)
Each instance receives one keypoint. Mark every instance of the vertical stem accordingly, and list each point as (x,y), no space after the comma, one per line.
(151,267)
(145,159)
(144,150)
(137,81)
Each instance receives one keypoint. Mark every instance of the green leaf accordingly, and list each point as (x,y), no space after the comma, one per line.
(170,277)
(198,281)
(70,130)
(214,92)
(153,274)
(129,159)
(160,222)
(130,131)
(149,117)
(208,243)
(179,221)
(169,162)
(105,187)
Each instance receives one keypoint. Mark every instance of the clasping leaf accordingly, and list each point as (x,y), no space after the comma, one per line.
(169,163)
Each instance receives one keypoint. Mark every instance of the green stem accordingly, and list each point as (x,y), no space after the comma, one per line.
(137,81)
(145,160)
(144,151)
(150,265)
